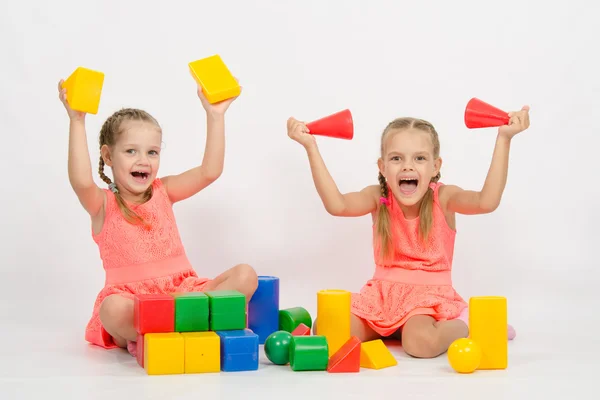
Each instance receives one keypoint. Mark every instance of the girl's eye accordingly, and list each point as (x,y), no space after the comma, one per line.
(130,151)
(154,152)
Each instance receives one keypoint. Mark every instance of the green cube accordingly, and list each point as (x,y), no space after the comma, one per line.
(227,310)
(191,312)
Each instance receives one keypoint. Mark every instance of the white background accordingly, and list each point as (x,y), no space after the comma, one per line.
(380,59)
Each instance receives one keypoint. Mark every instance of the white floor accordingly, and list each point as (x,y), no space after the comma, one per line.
(54,360)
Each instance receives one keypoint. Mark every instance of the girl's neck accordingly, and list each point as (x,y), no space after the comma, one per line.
(133,198)
(410,212)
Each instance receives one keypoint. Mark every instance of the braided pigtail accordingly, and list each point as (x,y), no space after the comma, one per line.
(383,223)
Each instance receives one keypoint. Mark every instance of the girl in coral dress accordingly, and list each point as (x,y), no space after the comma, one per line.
(410,295)
(132,221)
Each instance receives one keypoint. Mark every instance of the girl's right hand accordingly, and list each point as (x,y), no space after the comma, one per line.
(62,95)
(298,131)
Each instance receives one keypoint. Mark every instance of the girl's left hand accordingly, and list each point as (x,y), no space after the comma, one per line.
(217,108)
(519,121)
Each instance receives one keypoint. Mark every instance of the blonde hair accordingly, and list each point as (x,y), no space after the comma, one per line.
(108,136)
(383,222)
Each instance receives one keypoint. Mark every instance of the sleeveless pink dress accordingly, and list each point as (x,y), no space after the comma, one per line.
(417,280)
(140,260)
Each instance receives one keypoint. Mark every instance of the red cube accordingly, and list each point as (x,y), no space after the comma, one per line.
(153,313)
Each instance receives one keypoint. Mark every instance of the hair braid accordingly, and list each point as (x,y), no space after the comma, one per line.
(383,221)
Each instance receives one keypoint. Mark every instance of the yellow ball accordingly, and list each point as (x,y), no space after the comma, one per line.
(464,355)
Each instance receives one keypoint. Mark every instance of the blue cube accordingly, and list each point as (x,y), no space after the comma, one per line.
(239,350)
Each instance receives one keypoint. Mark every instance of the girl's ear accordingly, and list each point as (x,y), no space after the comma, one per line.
(437,166)
(381,166)
(105,153)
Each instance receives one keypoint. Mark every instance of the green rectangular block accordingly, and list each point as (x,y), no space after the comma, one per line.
(191,312)
(227,310)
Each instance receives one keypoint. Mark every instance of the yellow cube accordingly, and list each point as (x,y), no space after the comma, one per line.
(488,326)
(214,78)
(164,353)
(202,352)
(375,355)
(84,89)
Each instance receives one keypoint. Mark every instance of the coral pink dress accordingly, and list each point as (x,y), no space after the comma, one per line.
(417,281)
(140,260)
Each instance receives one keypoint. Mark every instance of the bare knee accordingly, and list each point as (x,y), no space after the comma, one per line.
(421,344)
(115,311)
(247,278)
(358,328)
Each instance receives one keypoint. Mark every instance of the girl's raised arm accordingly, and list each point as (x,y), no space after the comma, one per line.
(90,195)
(353,204)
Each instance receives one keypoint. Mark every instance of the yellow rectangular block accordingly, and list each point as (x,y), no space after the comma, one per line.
(488,326)
(202,352)
(213,76)
(333,317)
(375,355)
(164,353)
(84,89)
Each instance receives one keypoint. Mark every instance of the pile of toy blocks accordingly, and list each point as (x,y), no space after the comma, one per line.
(196,332)
(294,344)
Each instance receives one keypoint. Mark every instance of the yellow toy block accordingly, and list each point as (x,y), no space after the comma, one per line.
(84,89)
(375,355)
(333,317)
(214,77)
(488,325)
(164,353)
(202,352)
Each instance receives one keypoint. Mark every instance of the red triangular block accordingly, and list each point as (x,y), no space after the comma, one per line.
(339,125)
(347,358)
(479,114)
(301,330)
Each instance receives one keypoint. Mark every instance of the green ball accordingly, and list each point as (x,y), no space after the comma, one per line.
(277,347)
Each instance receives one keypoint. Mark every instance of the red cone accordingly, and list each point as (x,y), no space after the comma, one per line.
(479,114)
(339,125)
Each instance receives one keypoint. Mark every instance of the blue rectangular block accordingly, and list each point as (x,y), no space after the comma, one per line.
(263,308)
(239,350)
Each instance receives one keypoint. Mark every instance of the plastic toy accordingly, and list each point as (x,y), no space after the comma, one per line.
(333,317)
(227,310)
(84,89)
(202,352)
(215,79)
(290,318)
(479,114)
(488,326)
(191,312)
(277,347)
(347,358)
(239,350)
(339,125)
(301,330)
(189,352)
(464,355)
(263,308)
(164,353)
(309,353)
(154,313)
(375,355)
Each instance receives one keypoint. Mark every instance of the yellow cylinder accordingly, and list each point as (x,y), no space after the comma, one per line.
(333,317)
